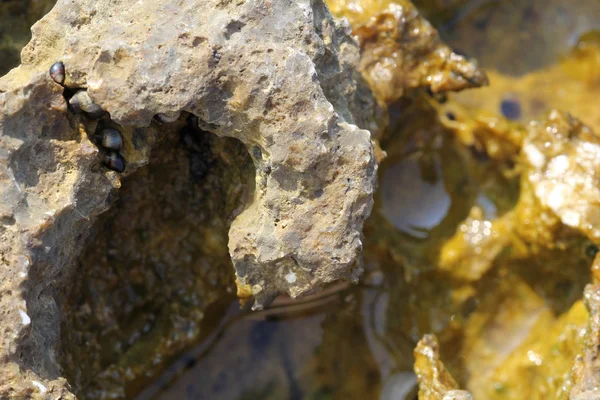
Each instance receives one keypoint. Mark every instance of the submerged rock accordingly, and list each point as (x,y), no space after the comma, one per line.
(562,156)
(435,382)
(499,278)
(401,50)
(586,378)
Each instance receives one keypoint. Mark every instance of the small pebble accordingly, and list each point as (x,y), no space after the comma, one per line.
(57,72)
(111,139)
(115,161)
(511,109)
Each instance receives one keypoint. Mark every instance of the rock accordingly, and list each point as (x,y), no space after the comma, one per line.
(50,189)
(308,158)
(472,250)
(586,366)
(401,50)
(435,382)
(280,77)
(510,342)
(562,157)
(155,265)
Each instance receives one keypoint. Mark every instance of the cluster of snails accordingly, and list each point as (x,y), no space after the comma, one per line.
(80,102)
(112,142)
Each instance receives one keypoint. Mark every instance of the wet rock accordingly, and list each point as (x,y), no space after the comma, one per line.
(562,156)
(536,91)
(435,382)
(541,367)
(471,252)
(401,50)
(585,370)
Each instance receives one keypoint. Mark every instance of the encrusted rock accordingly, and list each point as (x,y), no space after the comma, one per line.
(563,160)
(435,382)
(279,76)
(402,50)
(471,252)
(586,376)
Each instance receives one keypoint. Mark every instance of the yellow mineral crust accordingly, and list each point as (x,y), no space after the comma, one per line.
(435,382)
(401,50)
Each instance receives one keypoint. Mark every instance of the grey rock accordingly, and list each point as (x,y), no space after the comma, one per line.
(279,76)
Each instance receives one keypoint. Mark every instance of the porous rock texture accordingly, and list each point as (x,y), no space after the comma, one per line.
(401,50)
(435,382)
(563,161)
(586,376)
(280,76)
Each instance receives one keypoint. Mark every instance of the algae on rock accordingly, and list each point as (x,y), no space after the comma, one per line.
(401,50)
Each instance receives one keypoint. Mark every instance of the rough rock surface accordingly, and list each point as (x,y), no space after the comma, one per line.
(156,272)
(562,155)
(401,50)
(237,70)
(435,382)
(279,76)
(586,368)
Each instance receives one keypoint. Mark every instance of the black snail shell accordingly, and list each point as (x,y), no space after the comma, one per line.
(111,139)
(57,72)
(115,161)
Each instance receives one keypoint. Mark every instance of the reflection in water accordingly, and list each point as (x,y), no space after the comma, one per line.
(413,204)
(401,385)
(254,360)
(339,348)
(317,350)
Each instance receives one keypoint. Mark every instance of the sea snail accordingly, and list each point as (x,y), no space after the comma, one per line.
(115,161)
(57,72)
(111,139)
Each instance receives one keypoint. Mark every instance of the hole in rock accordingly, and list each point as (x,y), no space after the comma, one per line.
(154,263)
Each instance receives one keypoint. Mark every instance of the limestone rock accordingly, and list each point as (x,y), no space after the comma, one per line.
(243,76)
(50,190)
(278,76)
